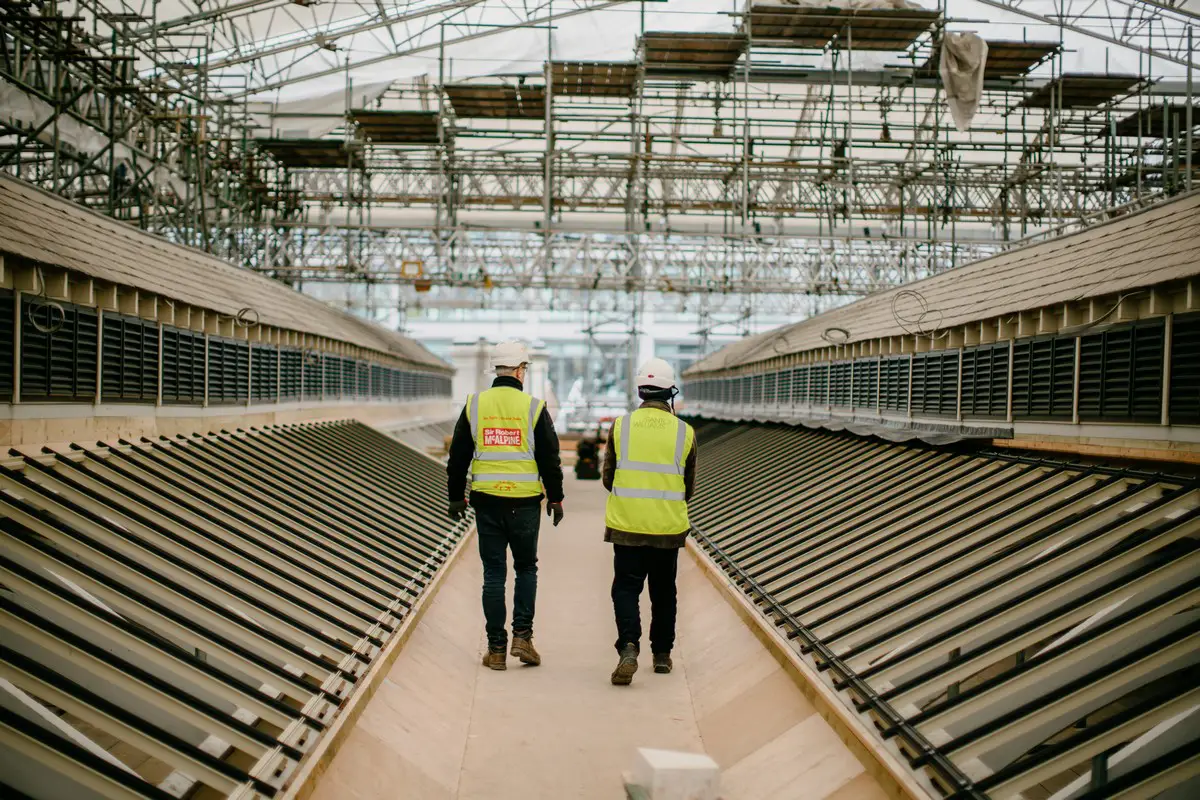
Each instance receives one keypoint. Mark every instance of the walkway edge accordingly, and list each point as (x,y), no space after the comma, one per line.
(317,762)
(894,778)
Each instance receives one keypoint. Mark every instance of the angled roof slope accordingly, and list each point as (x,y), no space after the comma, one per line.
(51,230)
(1151,247)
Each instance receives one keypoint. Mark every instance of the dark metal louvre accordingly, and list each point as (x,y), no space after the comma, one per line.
(800,385)
(839,383)
(783,387)
(264,373)
(349,377)
(770,387)
(935,383)
(182,366)
(894,390)
(7,351)
(380,386)
(228,371)
(818,385)
(290,374)
(60,365)
(1120,373)
(333,376)
(363,368)
(1185,370)
(866,383)
(130,356)
(314,365)
(1043,378)
(985,381)
(756,390)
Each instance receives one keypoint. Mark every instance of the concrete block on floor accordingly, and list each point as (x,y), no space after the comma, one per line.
(672,775)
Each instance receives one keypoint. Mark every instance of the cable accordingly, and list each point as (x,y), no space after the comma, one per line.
(835,335)
(915,326)
(54,321)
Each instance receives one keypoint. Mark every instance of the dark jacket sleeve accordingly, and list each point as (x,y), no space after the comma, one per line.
(689,471)
(458,462)
(610,462)
(545,452)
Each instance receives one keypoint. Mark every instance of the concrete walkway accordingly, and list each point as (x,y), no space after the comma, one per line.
(441,726)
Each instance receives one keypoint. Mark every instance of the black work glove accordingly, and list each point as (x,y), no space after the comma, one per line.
(555,510)
(458,510)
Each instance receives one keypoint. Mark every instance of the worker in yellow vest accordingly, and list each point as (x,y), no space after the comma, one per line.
(650,473)
(505,442)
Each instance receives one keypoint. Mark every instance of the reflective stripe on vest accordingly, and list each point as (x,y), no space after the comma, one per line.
(648,494)
(488,473)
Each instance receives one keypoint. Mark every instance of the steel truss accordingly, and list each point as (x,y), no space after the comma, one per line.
(850,154)
(599,261)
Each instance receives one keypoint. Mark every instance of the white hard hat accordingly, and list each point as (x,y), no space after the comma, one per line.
(656,373)
(509,354)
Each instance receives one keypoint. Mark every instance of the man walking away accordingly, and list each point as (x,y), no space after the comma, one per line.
(506,440)
(650,472)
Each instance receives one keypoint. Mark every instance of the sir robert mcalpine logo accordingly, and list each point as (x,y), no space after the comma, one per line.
(502,437)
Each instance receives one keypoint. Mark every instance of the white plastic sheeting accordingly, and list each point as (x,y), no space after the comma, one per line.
(962,62)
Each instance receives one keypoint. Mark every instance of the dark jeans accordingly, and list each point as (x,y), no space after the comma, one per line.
(500,528)
(632,566)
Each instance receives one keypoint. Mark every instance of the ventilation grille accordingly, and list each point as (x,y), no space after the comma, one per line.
(839,384)
(894,392)
(130,355)
(770,386)
(290,374)
(264,374)
(228,371)
(1185,370)
(333,377)
(349,377)
(314,366)
(935,384)
(985,381)
(59,364)
(866,383)
(7,351)
(1120,373)
(183,366)
(818,385)
(1043,378)
(783,388)
(800,385)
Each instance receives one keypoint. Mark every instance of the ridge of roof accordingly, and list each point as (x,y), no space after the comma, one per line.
(47,229)
(1144,248)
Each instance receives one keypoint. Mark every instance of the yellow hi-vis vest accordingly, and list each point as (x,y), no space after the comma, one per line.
(502,420)
(648,489)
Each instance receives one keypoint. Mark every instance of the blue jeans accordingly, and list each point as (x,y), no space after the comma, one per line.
(501,528)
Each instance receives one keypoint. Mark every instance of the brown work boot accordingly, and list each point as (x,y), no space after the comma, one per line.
(495,659)
(662,663)
(522,648)
(623,674)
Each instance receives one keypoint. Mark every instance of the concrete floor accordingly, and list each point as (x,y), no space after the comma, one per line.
(441,726)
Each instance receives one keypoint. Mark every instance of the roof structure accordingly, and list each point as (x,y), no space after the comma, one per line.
(1155,246)
(48,230)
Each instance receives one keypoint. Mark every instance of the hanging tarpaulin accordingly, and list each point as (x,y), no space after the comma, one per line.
(963,58)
